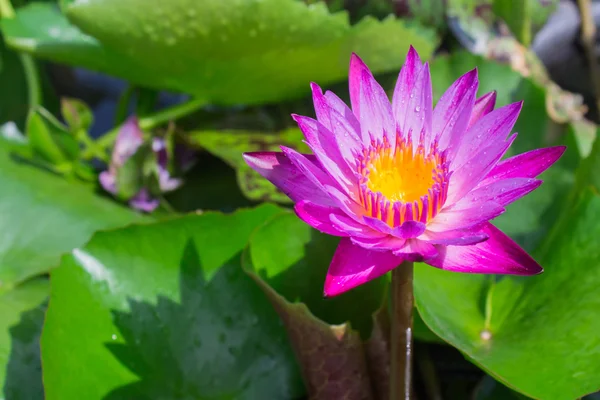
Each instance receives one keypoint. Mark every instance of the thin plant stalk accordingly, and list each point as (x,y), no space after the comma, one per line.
(588,39)
(402,332)
(32,76)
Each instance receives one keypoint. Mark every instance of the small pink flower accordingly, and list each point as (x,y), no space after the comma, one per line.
(406,182)
(129,141)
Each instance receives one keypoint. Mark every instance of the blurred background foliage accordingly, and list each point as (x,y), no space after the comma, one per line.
(217,295)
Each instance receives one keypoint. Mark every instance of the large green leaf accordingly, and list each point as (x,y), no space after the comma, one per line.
(223,51)
(41,29)
(165,311)
(21,317)
(44,216)
(538,335)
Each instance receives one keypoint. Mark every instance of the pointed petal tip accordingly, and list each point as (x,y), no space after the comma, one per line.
(490,95)
(253,157)
(489,100)
(356,60)
(518,105)
(413,53)
(331,289)
(531,269)
(247,156)
(315,88)
(470,78)
(357,65)
(560,150)
(334,288)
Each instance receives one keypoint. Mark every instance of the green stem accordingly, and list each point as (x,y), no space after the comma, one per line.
(588,39)
(159,118)
(121,112)
(401,335)
(32,75)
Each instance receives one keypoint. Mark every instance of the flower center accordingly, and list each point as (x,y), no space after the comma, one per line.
(400,183)
(402,176)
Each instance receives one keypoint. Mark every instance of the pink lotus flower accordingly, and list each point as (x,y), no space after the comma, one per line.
(406,182)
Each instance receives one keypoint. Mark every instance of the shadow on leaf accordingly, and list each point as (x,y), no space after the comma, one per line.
(24,369)
(217,343)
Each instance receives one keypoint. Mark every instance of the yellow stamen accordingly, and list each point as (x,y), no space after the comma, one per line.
(403,176)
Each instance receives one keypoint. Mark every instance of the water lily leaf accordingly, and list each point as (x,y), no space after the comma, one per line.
(229,146)
(289,261)
(490,389)
(519,325)
(165,311)
(225,51)
(21,316)
(332,357)
(41,29)
(45,216)
(529,327)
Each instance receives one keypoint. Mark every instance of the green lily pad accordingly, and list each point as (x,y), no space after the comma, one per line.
(165,310)
(42,30)
(45,216)
(223,51)
(21,317)
(520,325)
(533,322)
